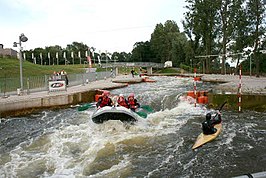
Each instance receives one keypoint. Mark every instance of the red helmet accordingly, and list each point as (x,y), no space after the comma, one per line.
(131,95)
(106,93)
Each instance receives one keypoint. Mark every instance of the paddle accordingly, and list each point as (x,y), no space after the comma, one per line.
(220,109)
(147,108)
(142,114)
(86,106)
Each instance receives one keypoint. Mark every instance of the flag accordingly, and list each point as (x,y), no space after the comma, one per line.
(24,56)
(49,55)
(64,54)
(41,57)
(56,55)
(99,60)
(79,54)
(32,55)
(72,54)
(89,60)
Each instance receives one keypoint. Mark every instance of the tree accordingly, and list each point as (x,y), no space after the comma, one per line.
(240,32)
(167,43)
(256,14)
(142,52)
(202,21)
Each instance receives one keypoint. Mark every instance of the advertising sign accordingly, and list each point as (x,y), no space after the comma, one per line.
(57,85)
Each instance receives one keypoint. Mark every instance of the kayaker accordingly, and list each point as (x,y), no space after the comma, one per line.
(122,101)
(208,124)
(104,100)
(133,103)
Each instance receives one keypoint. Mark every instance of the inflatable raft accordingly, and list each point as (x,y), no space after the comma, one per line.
(114,113)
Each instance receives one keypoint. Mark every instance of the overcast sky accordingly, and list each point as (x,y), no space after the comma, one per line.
(112,25)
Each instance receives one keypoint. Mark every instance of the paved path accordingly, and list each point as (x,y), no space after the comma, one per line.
(101,84)
(250,85)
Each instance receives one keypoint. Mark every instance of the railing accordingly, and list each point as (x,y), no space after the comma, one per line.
(10,86)
(134,64)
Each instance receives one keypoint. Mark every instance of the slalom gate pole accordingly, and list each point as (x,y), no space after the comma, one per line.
(239,88)
(195,87)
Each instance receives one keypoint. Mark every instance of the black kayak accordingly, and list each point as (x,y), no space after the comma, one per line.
(114,113)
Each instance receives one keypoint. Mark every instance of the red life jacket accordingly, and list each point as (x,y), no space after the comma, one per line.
(122,102)
(131,102)
(105,102)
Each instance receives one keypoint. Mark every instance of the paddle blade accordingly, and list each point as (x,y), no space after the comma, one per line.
(85,106)
(142,114)
(147,108)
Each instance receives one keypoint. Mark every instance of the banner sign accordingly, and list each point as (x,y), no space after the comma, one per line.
(57,85)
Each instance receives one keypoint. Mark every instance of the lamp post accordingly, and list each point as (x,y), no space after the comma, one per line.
(22,38)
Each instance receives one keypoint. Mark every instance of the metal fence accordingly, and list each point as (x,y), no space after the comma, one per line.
(10,86)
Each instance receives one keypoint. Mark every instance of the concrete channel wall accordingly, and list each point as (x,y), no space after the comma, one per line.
(248,101)
(26,104)
(23,107)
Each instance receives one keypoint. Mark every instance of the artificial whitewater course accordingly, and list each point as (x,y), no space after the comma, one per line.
(67,143)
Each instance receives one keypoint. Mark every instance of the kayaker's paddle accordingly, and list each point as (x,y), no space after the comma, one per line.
(222,106)
(86,106)
(220,109)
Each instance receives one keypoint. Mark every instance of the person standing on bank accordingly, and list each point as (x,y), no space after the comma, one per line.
(208,124)
(132,72)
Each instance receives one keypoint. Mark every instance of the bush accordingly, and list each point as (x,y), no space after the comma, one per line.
(185,67)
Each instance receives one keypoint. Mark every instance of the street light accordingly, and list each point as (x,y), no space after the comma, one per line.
(22,38)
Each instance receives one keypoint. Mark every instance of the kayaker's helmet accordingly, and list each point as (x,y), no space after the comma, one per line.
(208,116)
(131,95)
(121,95)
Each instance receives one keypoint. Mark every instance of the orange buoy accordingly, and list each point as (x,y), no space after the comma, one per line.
(201,100)
(197,78)
(191,93)
(206,99)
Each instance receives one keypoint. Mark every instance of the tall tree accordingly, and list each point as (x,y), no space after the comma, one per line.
(167,43)
(227,18)
(202,18)
(256,14)
(240,31)
(142,52)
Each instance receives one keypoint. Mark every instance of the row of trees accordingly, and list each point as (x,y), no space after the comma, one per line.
(214,31)
(219,27)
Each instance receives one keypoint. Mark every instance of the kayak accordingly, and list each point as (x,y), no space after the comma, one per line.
(114,113)
(202,138)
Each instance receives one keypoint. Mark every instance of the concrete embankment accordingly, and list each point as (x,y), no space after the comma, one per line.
(248,101)
(26,104)
(253,92)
